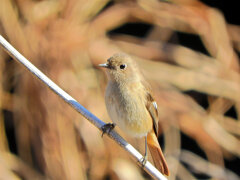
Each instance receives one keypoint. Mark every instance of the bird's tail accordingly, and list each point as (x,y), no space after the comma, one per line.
(157,153)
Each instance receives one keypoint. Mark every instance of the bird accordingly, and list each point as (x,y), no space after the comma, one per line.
(131,106)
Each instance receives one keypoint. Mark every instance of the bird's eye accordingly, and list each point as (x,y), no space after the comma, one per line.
(123,66)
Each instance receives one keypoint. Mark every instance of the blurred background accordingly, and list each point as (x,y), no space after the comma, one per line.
(188,50)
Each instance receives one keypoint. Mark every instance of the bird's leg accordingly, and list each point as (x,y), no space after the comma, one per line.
(107,128)
(144,159)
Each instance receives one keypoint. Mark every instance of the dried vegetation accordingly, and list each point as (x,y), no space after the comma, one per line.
(67,39)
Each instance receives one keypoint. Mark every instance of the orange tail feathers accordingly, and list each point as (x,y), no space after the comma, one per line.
(157,153)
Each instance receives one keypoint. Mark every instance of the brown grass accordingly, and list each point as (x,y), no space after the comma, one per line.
(67,39)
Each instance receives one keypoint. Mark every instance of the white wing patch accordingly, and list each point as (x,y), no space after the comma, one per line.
(155,104)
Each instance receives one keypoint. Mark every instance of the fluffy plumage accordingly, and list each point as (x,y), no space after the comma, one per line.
(131,106)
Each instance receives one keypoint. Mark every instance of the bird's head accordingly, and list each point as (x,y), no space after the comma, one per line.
(121,68)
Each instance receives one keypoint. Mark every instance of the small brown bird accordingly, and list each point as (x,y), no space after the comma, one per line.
(131,106)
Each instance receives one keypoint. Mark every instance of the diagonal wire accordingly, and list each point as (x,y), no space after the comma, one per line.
(149,168)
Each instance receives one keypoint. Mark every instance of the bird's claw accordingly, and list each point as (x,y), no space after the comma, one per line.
(107,128)
(143,161)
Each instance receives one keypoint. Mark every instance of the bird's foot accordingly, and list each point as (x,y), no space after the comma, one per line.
(143,161)
(107,128)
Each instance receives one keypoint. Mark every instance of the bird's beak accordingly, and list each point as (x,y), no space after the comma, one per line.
(104,65)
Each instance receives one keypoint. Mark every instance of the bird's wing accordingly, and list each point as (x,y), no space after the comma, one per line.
(151,106)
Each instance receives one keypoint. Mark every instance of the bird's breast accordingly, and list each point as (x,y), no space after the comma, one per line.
(126,107)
